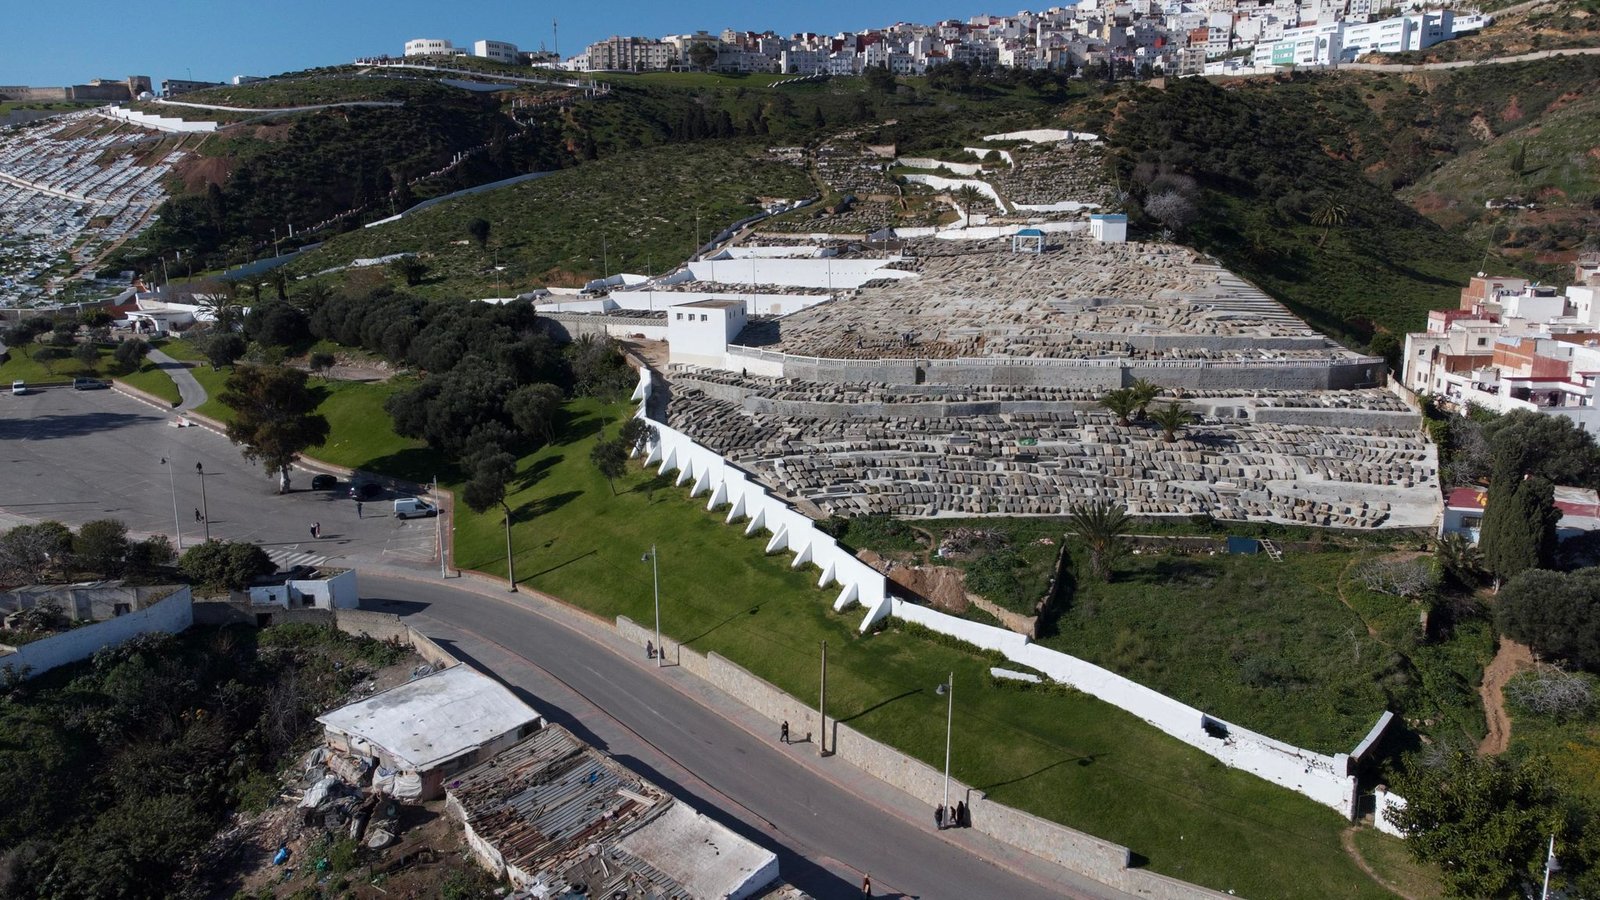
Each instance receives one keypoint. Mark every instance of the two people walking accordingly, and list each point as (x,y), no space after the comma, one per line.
(958,816)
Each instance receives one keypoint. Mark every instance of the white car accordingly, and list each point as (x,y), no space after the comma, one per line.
(18,388)
(411,507)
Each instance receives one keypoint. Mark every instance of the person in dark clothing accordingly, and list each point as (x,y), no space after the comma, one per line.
(938,817)
(961,814)
(783,734)
(866,885)
(197,516)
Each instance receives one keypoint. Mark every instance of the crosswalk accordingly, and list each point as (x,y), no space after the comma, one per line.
(288,559)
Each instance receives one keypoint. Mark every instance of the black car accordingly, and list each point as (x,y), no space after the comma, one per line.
(365,490)
(324,482)
(89,384)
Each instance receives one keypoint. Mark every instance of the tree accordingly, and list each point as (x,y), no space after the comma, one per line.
(1483,820)
(1170,418)
(479,229)
(412,269)
(1328,215)
(101,546)
(492,469)
(148,556)
(223,348)
(1411,579)
(703,55)
(129,354)
(1145,392)
(47,357)
(879,79)
(275,417)
(534,408)
(226,565)
(1557,614)
(1171,209)
(224,305)
(599,369)
(611,459)
(1458,561)
(1519,162)
(277,323)
(30,552)
(968,197)
(320,363)
(636,435)
(1100,525)
(1122,403)
(87,355)
(1525,442)
(1519,525)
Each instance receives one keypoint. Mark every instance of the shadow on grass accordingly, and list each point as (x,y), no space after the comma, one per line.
(560,565)
(1080,760)
(650,485)
(1169,570)
(544,505)
(416,464)
(573,429)
(538,471)
(743,612)
(877,706)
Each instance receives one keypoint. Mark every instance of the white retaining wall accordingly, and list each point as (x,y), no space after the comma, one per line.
(941,183)
(1383,814)
(837,274)
(923,162)
(986,152)
(172,615)
(991,232)
(754,303)
(1325,779)
(158,123)
(1043,136)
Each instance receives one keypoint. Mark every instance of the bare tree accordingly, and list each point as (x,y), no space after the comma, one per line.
(1552,691)
(1172,209)
(1408,578)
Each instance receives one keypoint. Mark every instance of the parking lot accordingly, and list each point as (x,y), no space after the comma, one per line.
(76,456)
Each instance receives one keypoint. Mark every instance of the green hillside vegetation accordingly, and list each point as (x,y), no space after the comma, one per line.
(635,212)
(1545,26)
(307,91)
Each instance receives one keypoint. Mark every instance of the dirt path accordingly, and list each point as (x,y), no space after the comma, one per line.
(1347,838)
(1339,589)
(927,552)
(1510,659)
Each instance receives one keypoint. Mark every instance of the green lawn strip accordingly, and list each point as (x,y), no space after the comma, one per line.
(154,380)
(1388,857)
(1066,757)
(359,430)
(1264,644)
(21,366)
(1572,744)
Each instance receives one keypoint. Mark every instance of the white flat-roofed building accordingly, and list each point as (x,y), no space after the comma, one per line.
(499,51)
(431,47)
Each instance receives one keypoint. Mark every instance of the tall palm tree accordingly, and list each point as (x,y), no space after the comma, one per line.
(968,197)
(1145,391)
(1122,402)
(1170,418)
(1458,560)
(1328,215)
(1101,525)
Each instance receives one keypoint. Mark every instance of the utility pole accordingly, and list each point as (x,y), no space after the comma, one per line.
(822,704)
(511,568)
(205,508)
(1549,863)
(555,38)
(655,577)
(438,531)
(172,482)
(949,690)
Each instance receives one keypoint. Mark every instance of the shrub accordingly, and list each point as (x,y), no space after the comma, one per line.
(225,564)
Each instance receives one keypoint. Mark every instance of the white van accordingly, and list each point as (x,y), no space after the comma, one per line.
(411,507)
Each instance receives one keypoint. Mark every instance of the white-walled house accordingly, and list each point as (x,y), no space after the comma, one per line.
(699,333)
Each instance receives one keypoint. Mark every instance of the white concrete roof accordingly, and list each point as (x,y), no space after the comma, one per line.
(704,857)
(429,720)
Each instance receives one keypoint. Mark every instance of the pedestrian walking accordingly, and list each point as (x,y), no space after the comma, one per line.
(938,817)
(358,509)
(961,814)
(197,516)
(783,734)
(649,649)
(866,885)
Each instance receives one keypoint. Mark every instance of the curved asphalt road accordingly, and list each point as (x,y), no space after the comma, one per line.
(826,820)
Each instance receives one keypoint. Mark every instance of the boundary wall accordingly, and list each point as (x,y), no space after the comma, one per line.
(1326,779)
(1105,862)
(171,615)
(158,123)
(1088,374)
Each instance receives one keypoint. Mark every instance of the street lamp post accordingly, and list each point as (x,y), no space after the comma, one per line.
(948,689)
(655,577)
(172,482)
(205,508)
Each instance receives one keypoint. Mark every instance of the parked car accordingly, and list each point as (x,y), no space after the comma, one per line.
(18,388)
(365,490)
(323,482)
(411,508)
(89,384)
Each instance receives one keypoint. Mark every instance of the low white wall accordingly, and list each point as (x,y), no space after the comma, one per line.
(923,162)
(835,274)
(1063,206)
(986,152)
(158,123)
(755,304)
(746,252)
(171,615)
(941,183)
(1043,136)
(1383,814)
(1325,779)
(990,232)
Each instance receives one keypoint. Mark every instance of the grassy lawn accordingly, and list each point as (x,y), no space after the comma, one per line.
(153,380)
(1064,756)
(1388,857)
(1571,743)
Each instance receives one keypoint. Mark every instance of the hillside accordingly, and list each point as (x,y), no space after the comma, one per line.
(635,212)
(1519,27)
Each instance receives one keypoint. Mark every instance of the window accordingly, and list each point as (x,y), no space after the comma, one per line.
(1483,342)
(704,317)
(1471,521)
(680,317)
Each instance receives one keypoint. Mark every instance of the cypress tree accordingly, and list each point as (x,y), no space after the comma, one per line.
(1519,524)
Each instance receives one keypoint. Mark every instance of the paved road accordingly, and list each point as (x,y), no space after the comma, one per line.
(189,388)
(77,456)
(74,456)
(826,820)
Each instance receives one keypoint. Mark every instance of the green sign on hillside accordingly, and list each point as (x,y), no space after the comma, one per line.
(1283,53)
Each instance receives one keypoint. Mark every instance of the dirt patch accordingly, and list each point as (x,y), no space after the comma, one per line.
(199,171)
(1479,126)
(1510,659)
(943,587)
(1429,203)
(1512,111)
(272,133)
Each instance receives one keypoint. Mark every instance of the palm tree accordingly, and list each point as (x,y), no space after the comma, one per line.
(1122,402)
(1100,525)
(1145,391)
(1170,418)
(968,197)
(1326,216)
(1458,560)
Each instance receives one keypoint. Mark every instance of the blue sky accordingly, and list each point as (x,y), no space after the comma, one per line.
(48,45)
